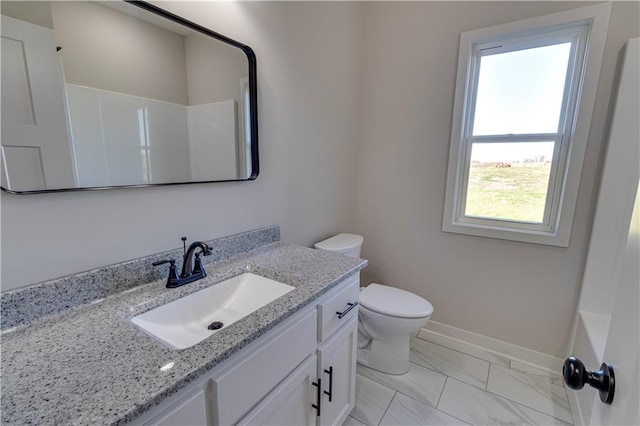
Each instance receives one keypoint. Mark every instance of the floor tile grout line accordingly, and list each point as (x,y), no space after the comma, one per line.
(534,378)
(486,384)
(508,358)
(409,396)
(449,414)
(420,401)
(463,382)
(384,386)
(539,371)
(480,348)
(389,405)
(486,387)
(510,367)
(435,408)
(442,391)
(455,350)
(446,375)
(428,368)
(531,408)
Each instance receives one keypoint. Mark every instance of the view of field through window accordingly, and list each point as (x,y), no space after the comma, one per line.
(519,94)
(509,181)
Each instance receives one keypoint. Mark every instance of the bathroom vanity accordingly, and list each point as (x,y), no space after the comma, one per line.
(290,376)
(289,362)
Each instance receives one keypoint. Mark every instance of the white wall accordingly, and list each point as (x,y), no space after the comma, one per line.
(309,72)
(36,12)
(105,49)
(520,293)
(214,70)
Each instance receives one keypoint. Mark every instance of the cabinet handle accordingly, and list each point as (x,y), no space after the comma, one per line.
(346,311)
(330,373)
(318,403)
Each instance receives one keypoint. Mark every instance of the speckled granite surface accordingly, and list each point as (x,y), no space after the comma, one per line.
(91,365)
(26,305)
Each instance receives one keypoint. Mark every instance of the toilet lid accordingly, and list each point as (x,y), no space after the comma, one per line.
(340,243)
(394,302)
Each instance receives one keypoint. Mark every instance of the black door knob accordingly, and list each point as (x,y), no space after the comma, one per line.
(576,376)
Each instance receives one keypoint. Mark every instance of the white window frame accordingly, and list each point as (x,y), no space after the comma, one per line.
(587,28)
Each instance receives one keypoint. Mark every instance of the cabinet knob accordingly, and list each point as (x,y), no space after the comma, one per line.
(576,376)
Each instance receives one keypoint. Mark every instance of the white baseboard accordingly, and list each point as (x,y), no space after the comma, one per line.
(474,344)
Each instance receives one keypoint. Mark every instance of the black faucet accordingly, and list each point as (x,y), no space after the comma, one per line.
(188,259)
(190,272)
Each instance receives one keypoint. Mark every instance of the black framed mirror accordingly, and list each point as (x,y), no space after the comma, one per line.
(113,94)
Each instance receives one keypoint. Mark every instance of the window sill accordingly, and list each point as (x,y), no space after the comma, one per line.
(548,238)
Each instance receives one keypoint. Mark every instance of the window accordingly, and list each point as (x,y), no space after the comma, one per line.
(524,98)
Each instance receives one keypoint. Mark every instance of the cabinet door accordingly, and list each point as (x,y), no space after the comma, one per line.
(290,402)
(190,412)
(337,367)
(254,374)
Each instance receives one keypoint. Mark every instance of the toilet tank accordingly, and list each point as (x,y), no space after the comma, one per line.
(347,244)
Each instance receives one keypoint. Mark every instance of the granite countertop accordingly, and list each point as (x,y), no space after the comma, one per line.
(91,365)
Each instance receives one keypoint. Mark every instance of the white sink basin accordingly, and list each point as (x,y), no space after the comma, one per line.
(183,322)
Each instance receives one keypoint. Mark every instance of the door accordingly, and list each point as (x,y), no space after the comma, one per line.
(36,150)
(622,348)
(612,280)
(336,367)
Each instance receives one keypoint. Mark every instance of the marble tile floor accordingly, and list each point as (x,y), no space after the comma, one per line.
(448,387)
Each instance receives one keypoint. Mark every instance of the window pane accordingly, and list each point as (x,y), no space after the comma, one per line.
(509,180)
(521,91)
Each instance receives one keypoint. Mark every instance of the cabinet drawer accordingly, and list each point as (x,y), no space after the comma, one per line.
(238,389)
(329,320)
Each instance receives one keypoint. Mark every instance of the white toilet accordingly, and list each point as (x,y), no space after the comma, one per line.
(387,317)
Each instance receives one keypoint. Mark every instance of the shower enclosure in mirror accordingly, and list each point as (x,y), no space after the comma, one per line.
(110,94)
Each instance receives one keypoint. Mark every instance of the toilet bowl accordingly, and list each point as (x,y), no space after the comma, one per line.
(387,316)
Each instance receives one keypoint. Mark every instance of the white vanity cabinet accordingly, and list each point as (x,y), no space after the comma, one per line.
(302,372)
(252,375)
(336,367)
(189,411)
(302,399)
(337,337)
(328,397)
(291,403)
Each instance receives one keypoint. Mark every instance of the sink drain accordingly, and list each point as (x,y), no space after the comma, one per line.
(216,325)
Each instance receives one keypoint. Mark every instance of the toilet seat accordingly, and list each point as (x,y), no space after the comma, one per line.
(394,302)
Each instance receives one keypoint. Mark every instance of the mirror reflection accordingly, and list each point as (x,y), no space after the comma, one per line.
(104,94)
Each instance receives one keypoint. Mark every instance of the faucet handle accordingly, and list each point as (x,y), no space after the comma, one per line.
(184,246)
(172,279)
(162,262)
(197,265)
